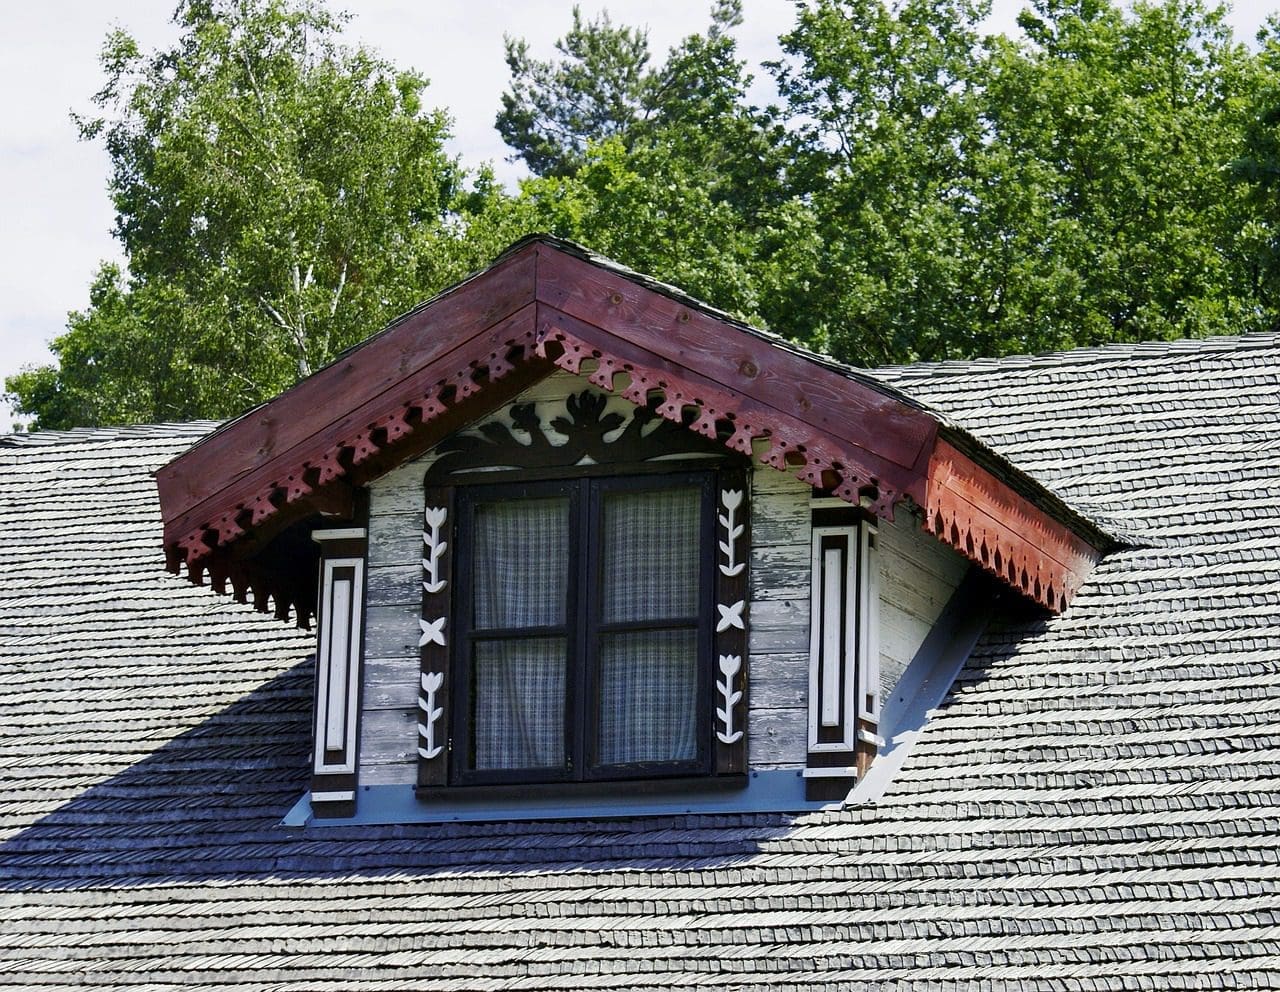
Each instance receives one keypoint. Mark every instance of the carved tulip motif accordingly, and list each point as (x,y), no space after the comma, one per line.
(729,697)
(731,500)
(431,683)
(434,518)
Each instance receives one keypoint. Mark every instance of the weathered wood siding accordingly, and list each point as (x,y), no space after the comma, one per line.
(917,575)
(778,632)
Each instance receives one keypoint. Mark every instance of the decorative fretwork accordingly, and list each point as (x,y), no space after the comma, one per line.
(831,429)
(432,631)
(731,616)
(588,434)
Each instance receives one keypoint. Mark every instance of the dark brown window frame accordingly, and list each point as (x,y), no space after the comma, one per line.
(604,450)
(584,628)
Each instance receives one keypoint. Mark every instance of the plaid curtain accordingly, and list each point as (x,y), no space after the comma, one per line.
(648,687)
(651,553)
(519,703)
(522,567)
(648,679)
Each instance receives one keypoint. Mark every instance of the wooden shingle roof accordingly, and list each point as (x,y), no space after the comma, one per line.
(1094,806)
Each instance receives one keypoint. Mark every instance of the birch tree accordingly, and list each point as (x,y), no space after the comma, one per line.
(278,197)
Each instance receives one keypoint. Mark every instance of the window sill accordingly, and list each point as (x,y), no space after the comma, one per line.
(571,793)
(758,792)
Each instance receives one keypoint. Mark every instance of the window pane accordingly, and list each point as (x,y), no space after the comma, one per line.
(521,563)
(518,698)
(651,554)
(648,696)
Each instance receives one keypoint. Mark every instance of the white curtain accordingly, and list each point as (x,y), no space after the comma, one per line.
(521,567)
(648,678)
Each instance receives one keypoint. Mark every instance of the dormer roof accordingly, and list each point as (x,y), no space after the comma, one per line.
(233,502)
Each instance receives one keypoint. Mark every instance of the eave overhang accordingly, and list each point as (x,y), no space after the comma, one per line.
(546,304)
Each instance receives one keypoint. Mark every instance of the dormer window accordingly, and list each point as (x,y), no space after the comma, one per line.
(587,465)
(584,616)
(584,633)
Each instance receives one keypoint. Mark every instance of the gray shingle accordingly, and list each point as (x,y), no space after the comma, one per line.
(1094,806)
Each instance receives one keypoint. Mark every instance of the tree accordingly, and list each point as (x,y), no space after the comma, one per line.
(1256,172)
(968,195)
(679,180)
(600,88)
(927,191)
(936,192)
(278,197)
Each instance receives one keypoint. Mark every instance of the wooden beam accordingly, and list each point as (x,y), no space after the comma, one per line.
(354,390)
(343,440)
(830,402)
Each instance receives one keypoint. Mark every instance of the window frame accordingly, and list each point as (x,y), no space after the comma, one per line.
(589,437)
(584,627)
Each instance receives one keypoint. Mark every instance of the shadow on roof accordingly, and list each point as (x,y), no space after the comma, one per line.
(206,807)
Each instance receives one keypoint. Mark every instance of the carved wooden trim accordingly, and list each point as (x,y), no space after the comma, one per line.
(979,516)
(542,303)
(732,552)
(339,654)
(714,412)
(844,652)
(260,498)
(591,437)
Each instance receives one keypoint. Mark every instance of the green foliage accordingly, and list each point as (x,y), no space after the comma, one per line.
(925,192)
(984,196)
(1257,171)
(597,90)
(278,196)
(937,193)
(687,189)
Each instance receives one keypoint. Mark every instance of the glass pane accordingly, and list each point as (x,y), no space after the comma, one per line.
(648,696)
(651,554)
(517,714)
(521,563)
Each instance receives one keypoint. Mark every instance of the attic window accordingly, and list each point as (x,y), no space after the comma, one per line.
(584,632)
(584,612)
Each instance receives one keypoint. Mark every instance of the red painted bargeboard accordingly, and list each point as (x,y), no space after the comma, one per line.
(388,399)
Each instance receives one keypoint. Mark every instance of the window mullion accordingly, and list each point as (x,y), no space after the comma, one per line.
(584,603)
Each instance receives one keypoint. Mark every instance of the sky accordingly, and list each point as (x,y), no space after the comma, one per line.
(54,211)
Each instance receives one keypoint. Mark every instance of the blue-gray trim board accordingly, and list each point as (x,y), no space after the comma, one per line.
(765,792)
(927,679)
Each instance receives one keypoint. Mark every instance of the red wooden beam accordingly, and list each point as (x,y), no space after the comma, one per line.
(987,522)
(828,400)
(377,379)
(475,346)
